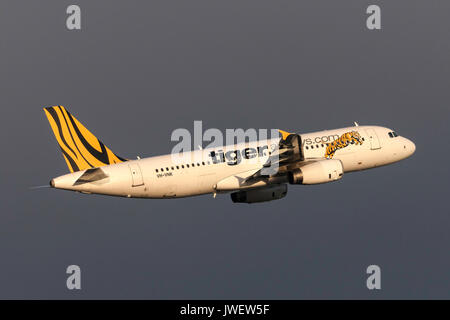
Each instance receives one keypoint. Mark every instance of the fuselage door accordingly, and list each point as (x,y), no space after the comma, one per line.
(136,174)
(373,138)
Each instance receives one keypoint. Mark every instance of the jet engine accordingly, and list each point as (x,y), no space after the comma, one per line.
(260,195)
(316,172)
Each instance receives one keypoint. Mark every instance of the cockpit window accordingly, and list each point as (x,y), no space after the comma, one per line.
(393,134)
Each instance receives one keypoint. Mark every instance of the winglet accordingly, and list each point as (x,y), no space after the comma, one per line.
(284,134)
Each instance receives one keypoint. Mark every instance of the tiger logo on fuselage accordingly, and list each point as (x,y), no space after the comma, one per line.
(343,141)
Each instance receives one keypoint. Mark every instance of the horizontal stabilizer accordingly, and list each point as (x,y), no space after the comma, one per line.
(91,175)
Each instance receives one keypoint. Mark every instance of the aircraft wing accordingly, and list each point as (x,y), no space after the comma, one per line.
(287,155)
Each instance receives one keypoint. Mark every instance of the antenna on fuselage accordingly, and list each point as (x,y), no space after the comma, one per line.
(356,124)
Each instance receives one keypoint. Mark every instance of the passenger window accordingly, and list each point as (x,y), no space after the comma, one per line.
(173,168)
(178,167)
(167,169)
(187,165)
(162,169)
(193,164)
(198,164)
(307,148)
(182,166)
(312,147)
(203,163)
(156,170)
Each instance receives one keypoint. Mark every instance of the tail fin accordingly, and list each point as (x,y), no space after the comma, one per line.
(80,148)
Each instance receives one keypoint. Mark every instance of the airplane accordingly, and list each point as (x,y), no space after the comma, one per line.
(298,159)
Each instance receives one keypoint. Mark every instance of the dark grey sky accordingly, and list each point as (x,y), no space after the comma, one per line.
(138,70)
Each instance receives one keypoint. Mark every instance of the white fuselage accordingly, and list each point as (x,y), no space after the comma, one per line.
(165,177)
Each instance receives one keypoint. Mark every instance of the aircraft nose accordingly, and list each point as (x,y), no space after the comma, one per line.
(409,147)
(413,147)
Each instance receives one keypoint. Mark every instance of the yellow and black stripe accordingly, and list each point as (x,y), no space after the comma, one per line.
(343,141)
(80,148)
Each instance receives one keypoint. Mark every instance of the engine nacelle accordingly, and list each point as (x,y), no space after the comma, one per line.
(260,195)
(321,171)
